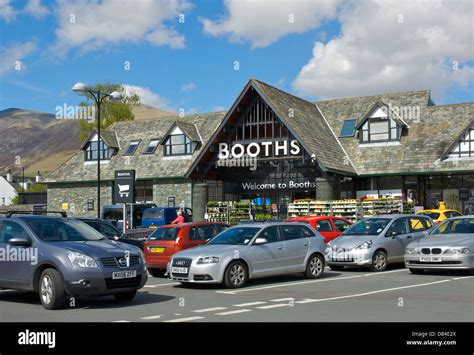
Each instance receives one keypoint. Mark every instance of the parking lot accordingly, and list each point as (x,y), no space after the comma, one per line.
(353,295)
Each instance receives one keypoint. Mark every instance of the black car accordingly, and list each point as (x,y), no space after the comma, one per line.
(108,230)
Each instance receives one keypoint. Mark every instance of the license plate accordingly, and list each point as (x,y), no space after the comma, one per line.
(430,259)
(157,250)
(179,270)
(124,274)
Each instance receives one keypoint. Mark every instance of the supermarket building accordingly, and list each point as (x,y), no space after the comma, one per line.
(274,147)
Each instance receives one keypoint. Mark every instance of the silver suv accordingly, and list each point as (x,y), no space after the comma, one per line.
(252,250)
(377,241)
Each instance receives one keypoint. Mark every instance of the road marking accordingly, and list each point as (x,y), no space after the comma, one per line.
(308,282)
(283,299)
(462,277)
(309,300)
(209,309)
(248,304)
(228,313)
(178,320)
(152,317)
(274,306)
(121,321)
(161,285)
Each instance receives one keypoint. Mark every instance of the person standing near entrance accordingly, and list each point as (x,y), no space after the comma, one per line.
(179,219)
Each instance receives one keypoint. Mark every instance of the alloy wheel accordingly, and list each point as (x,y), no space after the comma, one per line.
(46,289)
(237,274)
(315,266)
(380,261)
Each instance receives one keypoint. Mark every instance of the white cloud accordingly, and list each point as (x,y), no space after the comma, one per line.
(89,25)
(12,57)
(263,22)
(35,9)
(188,87)
(375,53)
(7,12)
(148,97)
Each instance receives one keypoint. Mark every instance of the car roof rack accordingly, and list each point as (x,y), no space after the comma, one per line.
(11,213)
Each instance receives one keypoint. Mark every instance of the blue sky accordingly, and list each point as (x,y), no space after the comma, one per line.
(190,65)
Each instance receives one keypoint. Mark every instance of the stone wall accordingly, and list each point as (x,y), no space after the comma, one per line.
(181,190)
(76,195)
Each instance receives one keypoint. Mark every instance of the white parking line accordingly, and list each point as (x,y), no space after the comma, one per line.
(274,306)
(308,300)
(308,282)
(283,299)
(121,321)
(462,277)
(228,313)
(152,317)
(209,309)
(248,304)
(161,285)
(178,320)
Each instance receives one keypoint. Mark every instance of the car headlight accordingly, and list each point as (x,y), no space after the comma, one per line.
(208,260)
(412,251)
(81,261)
(457,251)
(365,245)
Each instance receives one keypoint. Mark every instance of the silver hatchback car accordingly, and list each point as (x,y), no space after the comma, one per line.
(377,241)
(249,251)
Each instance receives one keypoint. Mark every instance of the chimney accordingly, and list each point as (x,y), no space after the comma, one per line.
(9,176)
(38,176)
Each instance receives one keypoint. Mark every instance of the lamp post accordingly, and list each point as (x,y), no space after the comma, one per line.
(98,97)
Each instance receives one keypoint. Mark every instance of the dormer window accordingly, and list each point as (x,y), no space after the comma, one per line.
(463,146)
(91,152)
(178,144)
(380,125)
(132,147)
(151,148)
(379,130)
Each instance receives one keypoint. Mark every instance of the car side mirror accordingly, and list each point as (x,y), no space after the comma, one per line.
(260,241)
(391,234)
(20,241)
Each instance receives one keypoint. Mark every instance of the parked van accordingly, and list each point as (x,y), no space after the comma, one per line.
(159,216)
(114,214)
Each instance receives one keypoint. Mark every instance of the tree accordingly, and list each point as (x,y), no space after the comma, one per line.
(110,111)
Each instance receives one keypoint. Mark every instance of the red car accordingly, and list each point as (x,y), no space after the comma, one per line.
(170,239)
(328,226)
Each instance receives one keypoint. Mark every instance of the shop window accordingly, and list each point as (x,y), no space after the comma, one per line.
(92,151)
(178,144)
(151,148)
(144,190)
(379,130)
(132,147)
(348,128)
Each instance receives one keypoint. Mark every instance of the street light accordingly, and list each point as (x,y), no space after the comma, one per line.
(98,97)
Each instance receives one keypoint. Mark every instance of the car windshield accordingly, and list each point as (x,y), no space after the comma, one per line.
(372,226)
(432,215)
(235,236)
(154,213)
(63,230)
(164,234)
(455,226)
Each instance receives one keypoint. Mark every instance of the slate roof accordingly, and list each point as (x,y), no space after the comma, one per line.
(316,124)
(308,125)
(147,166)
(420,150)
(109,137)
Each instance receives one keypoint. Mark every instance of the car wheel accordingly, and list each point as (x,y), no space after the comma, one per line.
(236,275)
(417,271)
(125,296)
(336,268)
(314,267)
(51,289)
(157,272)
(379,261)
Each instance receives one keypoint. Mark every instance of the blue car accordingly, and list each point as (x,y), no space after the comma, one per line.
(60,257)
(159,216)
